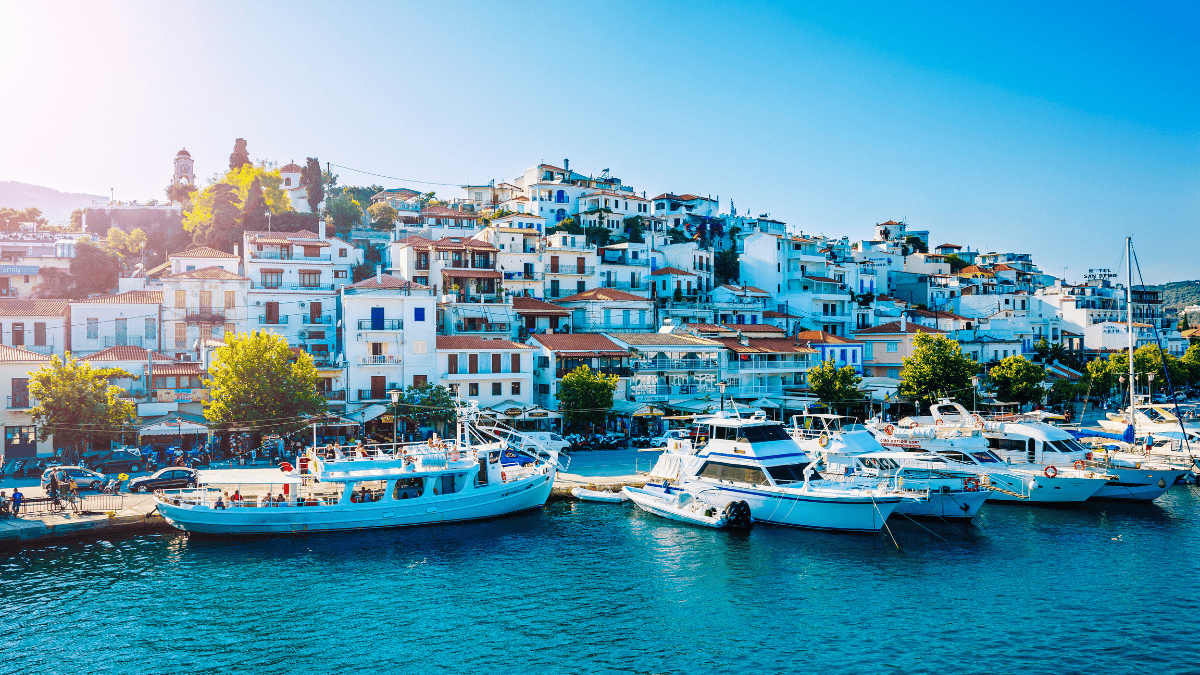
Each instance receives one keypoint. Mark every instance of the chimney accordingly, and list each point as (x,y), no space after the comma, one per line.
(321,228)
(235,249)
(903,322)
(379,274)
(567,167)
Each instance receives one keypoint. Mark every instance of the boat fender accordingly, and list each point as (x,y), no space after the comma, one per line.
(1050,471)
(737,515)
(823,441)
(503,477)
(1089,456)
(1162,483)
(285,467)
(1079,464)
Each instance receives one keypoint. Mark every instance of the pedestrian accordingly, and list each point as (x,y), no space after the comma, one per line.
(52,486)
(17,500)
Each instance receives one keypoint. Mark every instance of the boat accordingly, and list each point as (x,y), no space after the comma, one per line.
(470,477)
(586,495)
(847,452)
(686,508)
(753,459)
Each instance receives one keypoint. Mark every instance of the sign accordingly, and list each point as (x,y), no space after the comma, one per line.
(513,412)
(1100,273)
(538,414)
(387,419)
(894,442)
(18,270)
(649,399)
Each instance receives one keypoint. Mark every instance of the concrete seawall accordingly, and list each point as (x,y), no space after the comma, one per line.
(137,515)
(566,482)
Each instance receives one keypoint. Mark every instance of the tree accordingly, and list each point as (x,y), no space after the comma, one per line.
(213,215)
(1191,361)
(254,210)
(1098,376)
(570,225)
(634,229)
(834,386)
(678,236)
(221,229)
(936,369)
(372,256)
(1018,379)
(1061,391)
(77,220)
(427,405)
(956,263)
(92,270)
(180,192)
(239,156)
(585,396)
(916,244)
(343,213)
(598,235)
(383,215)
(313,181)
(75,402)
(256,383)
(125,245)
(726,267)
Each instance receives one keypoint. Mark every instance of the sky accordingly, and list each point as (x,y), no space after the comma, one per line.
(1055,129)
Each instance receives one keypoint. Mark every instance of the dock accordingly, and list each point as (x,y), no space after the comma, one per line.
(566,481)
(136,515)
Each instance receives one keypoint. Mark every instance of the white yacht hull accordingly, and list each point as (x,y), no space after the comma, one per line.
(803,509)
(476,503)
(668,507)
(1058,490)
(948,505)
(1138,484)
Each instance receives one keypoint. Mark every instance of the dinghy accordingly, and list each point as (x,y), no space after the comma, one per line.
(583,494)
(684,507)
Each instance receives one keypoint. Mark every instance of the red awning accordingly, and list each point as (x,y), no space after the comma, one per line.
(471,273)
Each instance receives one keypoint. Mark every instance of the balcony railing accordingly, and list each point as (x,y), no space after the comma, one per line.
(275,255)
(487,299)
(645,262)
(475,265)
(368,395)
(572,269)
(644,393)
(382,324)
(204,316)
(20,401)
(621,327)
(524,276)
(122,340)
(625,285)
(619,372)
(322,318)
(264,319)
(674,364)
(461,327)
(41,349)
(335,395)
(768,365)
(291,287)
(379,360)
(760,390)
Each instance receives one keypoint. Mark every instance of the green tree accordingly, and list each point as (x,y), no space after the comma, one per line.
(916,244)
(75,402)
(585,396)
(427,405)
(956,263)
(1183,323)
(343,213)
(570,225)
(254,210)
(1191,361)
(125,245)
(1061,391)
(726,267)
(836,387)
(598,235)
(313,181)
(1098,376)
(239,156)
(372,256)
(678,236)
(77,220)
(256,383)
(936,369)
(383,215)
(634,229)
(1018,379)
(92,270)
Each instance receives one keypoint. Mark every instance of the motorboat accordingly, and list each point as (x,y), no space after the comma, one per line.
(473,476)
(584,494)
(847,452)
(686,508)
(755,460)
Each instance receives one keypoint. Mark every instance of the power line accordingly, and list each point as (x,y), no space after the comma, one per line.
(405,180)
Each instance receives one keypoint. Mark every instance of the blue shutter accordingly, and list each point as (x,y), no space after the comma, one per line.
(376,318)
(419,314)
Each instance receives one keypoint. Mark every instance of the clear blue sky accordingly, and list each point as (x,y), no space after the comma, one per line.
(1048,128)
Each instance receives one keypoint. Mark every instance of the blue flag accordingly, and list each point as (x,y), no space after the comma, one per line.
(1128,435)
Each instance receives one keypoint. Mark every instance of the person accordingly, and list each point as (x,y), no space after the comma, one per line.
(4,503)
(73,488)
(17,500)
(220,504)
(404,495)
(267,500)
(359,450)
(52,486)
(237,496)
(337,450)
(365,496)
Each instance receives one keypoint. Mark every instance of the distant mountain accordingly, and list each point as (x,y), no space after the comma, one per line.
(55,206)
(1179,294)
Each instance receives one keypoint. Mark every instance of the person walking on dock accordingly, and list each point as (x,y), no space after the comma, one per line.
(52,486)
(17,500)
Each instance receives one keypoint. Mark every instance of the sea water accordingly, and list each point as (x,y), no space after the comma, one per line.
(577,587)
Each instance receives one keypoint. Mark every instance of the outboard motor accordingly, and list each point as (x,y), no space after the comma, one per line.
(737,514)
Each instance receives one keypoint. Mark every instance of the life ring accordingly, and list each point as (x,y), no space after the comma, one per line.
(978,419)
(1079,464)
(503,477)
(823,441)
(285,467)
(454,456)
(939,422)
(978,423)
(971,484)
(1050,471)
(1089,456)
(889,430)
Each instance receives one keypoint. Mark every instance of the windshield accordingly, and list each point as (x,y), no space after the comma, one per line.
(790,473)
(555,437)
(985,456)
(763,434)
(1067,446)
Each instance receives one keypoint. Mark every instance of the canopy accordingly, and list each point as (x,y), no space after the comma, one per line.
(880,388)
(246,477)
(367,413)
(765,403)
(695,405)
(173,427)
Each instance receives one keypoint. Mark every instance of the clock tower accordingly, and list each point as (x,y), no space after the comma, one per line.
(183,170)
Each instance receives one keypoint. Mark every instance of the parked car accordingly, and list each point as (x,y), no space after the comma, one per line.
(661,441)
(169,478)
(86,479)
(117,461)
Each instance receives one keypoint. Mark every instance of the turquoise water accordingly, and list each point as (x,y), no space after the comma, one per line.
(1108,588)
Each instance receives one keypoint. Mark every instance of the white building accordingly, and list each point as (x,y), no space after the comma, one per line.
(388,336)
(35,325)
(20,434)
(569,264)
(488,371)
(560,354)
(202,300)
(133,318)
(609,310)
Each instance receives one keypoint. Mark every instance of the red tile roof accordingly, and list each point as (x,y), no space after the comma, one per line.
(414,241)
(662,339)
(210,273)
(446,212)
(389,281)
(127,298)
(202,252)
(471,342)
(125,353)
(190,368)
(523,305)
(34,307)
(603,295)
(10,354)
(671,270)
(450,244)
(291,167)
(893,328)
(822,337)
(466,272)
(304,237)
(733,328)
(743,289)
(579,342)
(766,346)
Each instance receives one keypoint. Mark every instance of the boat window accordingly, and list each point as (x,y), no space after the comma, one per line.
(985,456)
(1006,444)
(408,488)
(764,433)
(366,491)
(734,473)
(790,473)
(1157,415)
(449,484)
(1067,446)
(955,456)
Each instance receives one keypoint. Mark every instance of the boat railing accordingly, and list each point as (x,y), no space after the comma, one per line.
(208,497)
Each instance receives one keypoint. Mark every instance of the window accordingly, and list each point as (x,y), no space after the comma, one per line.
(544,389)
(93,329)
(151,328)
(341,253)
(229,330)
(180,335)
(420,347)
(733,473)
(893,346)
(418,314)
(180,299)
(473,389)
(516,388)
(893,373)
(496,389)
(408,488)
(340,274)
(230,299)
(270,279)
(868,350)
(18,334)
(791,473)
(310,278)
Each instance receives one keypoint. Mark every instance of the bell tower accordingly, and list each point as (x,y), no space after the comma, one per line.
(183,170)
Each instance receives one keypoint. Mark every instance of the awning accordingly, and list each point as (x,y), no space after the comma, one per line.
(588,355)
(173,427)
(471,273)
(367,413)
(695,405)
(764,403)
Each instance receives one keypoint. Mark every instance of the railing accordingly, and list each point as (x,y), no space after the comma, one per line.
(674,364)
(624,285)
(19,401)
(768,365)
(121,341)
(643,393)
(42,349)
(8,292)
(645,262)
(275,255)
(334,395)
(622,327)
(368,395)
(322,318)
(264,319)
(383,324)
(619,372)
(524,276)
(378,360)
(479,299)
(476,265)
(760,390)
(461,327)
(572,269)
(205,317)
(291,287)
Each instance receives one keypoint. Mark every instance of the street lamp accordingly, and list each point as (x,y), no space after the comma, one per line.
(1149,386)
(395,394)
(974,391)
(721,388)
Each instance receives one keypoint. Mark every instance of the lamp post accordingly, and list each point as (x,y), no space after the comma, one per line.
(974,392)
(395,394)
(1149,386)
(721,388)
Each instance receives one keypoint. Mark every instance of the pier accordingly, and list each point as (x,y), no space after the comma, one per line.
(136,515)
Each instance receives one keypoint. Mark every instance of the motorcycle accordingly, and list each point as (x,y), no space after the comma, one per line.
(113,486)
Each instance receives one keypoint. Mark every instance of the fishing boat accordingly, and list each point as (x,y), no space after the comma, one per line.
(685,507)
(584,494)
(753,459)
(473,476)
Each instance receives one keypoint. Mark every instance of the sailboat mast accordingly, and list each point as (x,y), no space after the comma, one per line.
(1129,318)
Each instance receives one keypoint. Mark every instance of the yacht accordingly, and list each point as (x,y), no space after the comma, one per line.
(959,438)
(473,476)
(756,461)
(847,452)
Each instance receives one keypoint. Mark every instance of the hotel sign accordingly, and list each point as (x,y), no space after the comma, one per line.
(18,270)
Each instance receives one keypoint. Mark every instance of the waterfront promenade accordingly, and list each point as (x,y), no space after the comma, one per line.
(136,514)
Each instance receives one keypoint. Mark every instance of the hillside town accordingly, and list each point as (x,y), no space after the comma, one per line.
(499,292)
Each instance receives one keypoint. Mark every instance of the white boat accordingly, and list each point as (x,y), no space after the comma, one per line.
(847,452)
(471,477)
(686,508)
(756,461)
(586,495)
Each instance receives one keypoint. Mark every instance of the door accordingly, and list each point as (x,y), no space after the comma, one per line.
(314,312)
(376,318)
(472,363)
(579,265)
(206,302)
(495,363)
(554,263)
(378,387)
(272,309)
(120,326)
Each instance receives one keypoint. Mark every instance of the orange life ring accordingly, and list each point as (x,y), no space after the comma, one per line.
(1079,464)
(889,429)
(939,422)
(971,484)
(454,456)
(285,467)
(1050,471)
(503,477)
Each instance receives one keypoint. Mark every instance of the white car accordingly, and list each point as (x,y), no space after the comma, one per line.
(84,478)
(661,441)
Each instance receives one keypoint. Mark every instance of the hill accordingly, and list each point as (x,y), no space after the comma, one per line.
(56,206)
(1179,294)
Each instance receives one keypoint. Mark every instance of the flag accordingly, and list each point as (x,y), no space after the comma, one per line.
(1128,435)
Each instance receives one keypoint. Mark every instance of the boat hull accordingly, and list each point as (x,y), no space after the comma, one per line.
(656,504)
(807,510)
(1138,484)
(1058,490)
(960,505)
(474,504)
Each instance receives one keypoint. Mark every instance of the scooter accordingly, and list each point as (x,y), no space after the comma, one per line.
(112,487)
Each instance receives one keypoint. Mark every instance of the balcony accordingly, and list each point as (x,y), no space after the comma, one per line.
(586,270)
(382,324)
(264,319)
(368,395)
(643,393)
(467,298)
(320,319)
(275,255)
(524,276)
(378,360)
(674,364)
(619,372)
(625,285)
(767,365)
(754,391)
(20,401)
(121,341)
(476,265)
(205,316)
(334,395)
(644,262)
(46,350)
(461,327)
(258,285)
(618,327)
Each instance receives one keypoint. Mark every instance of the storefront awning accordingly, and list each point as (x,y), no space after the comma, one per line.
(764,403)
(173,427)
(367,413)
(471,273)
(695,405)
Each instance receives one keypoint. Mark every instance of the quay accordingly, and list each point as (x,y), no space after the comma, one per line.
(567,481)
(136,515)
